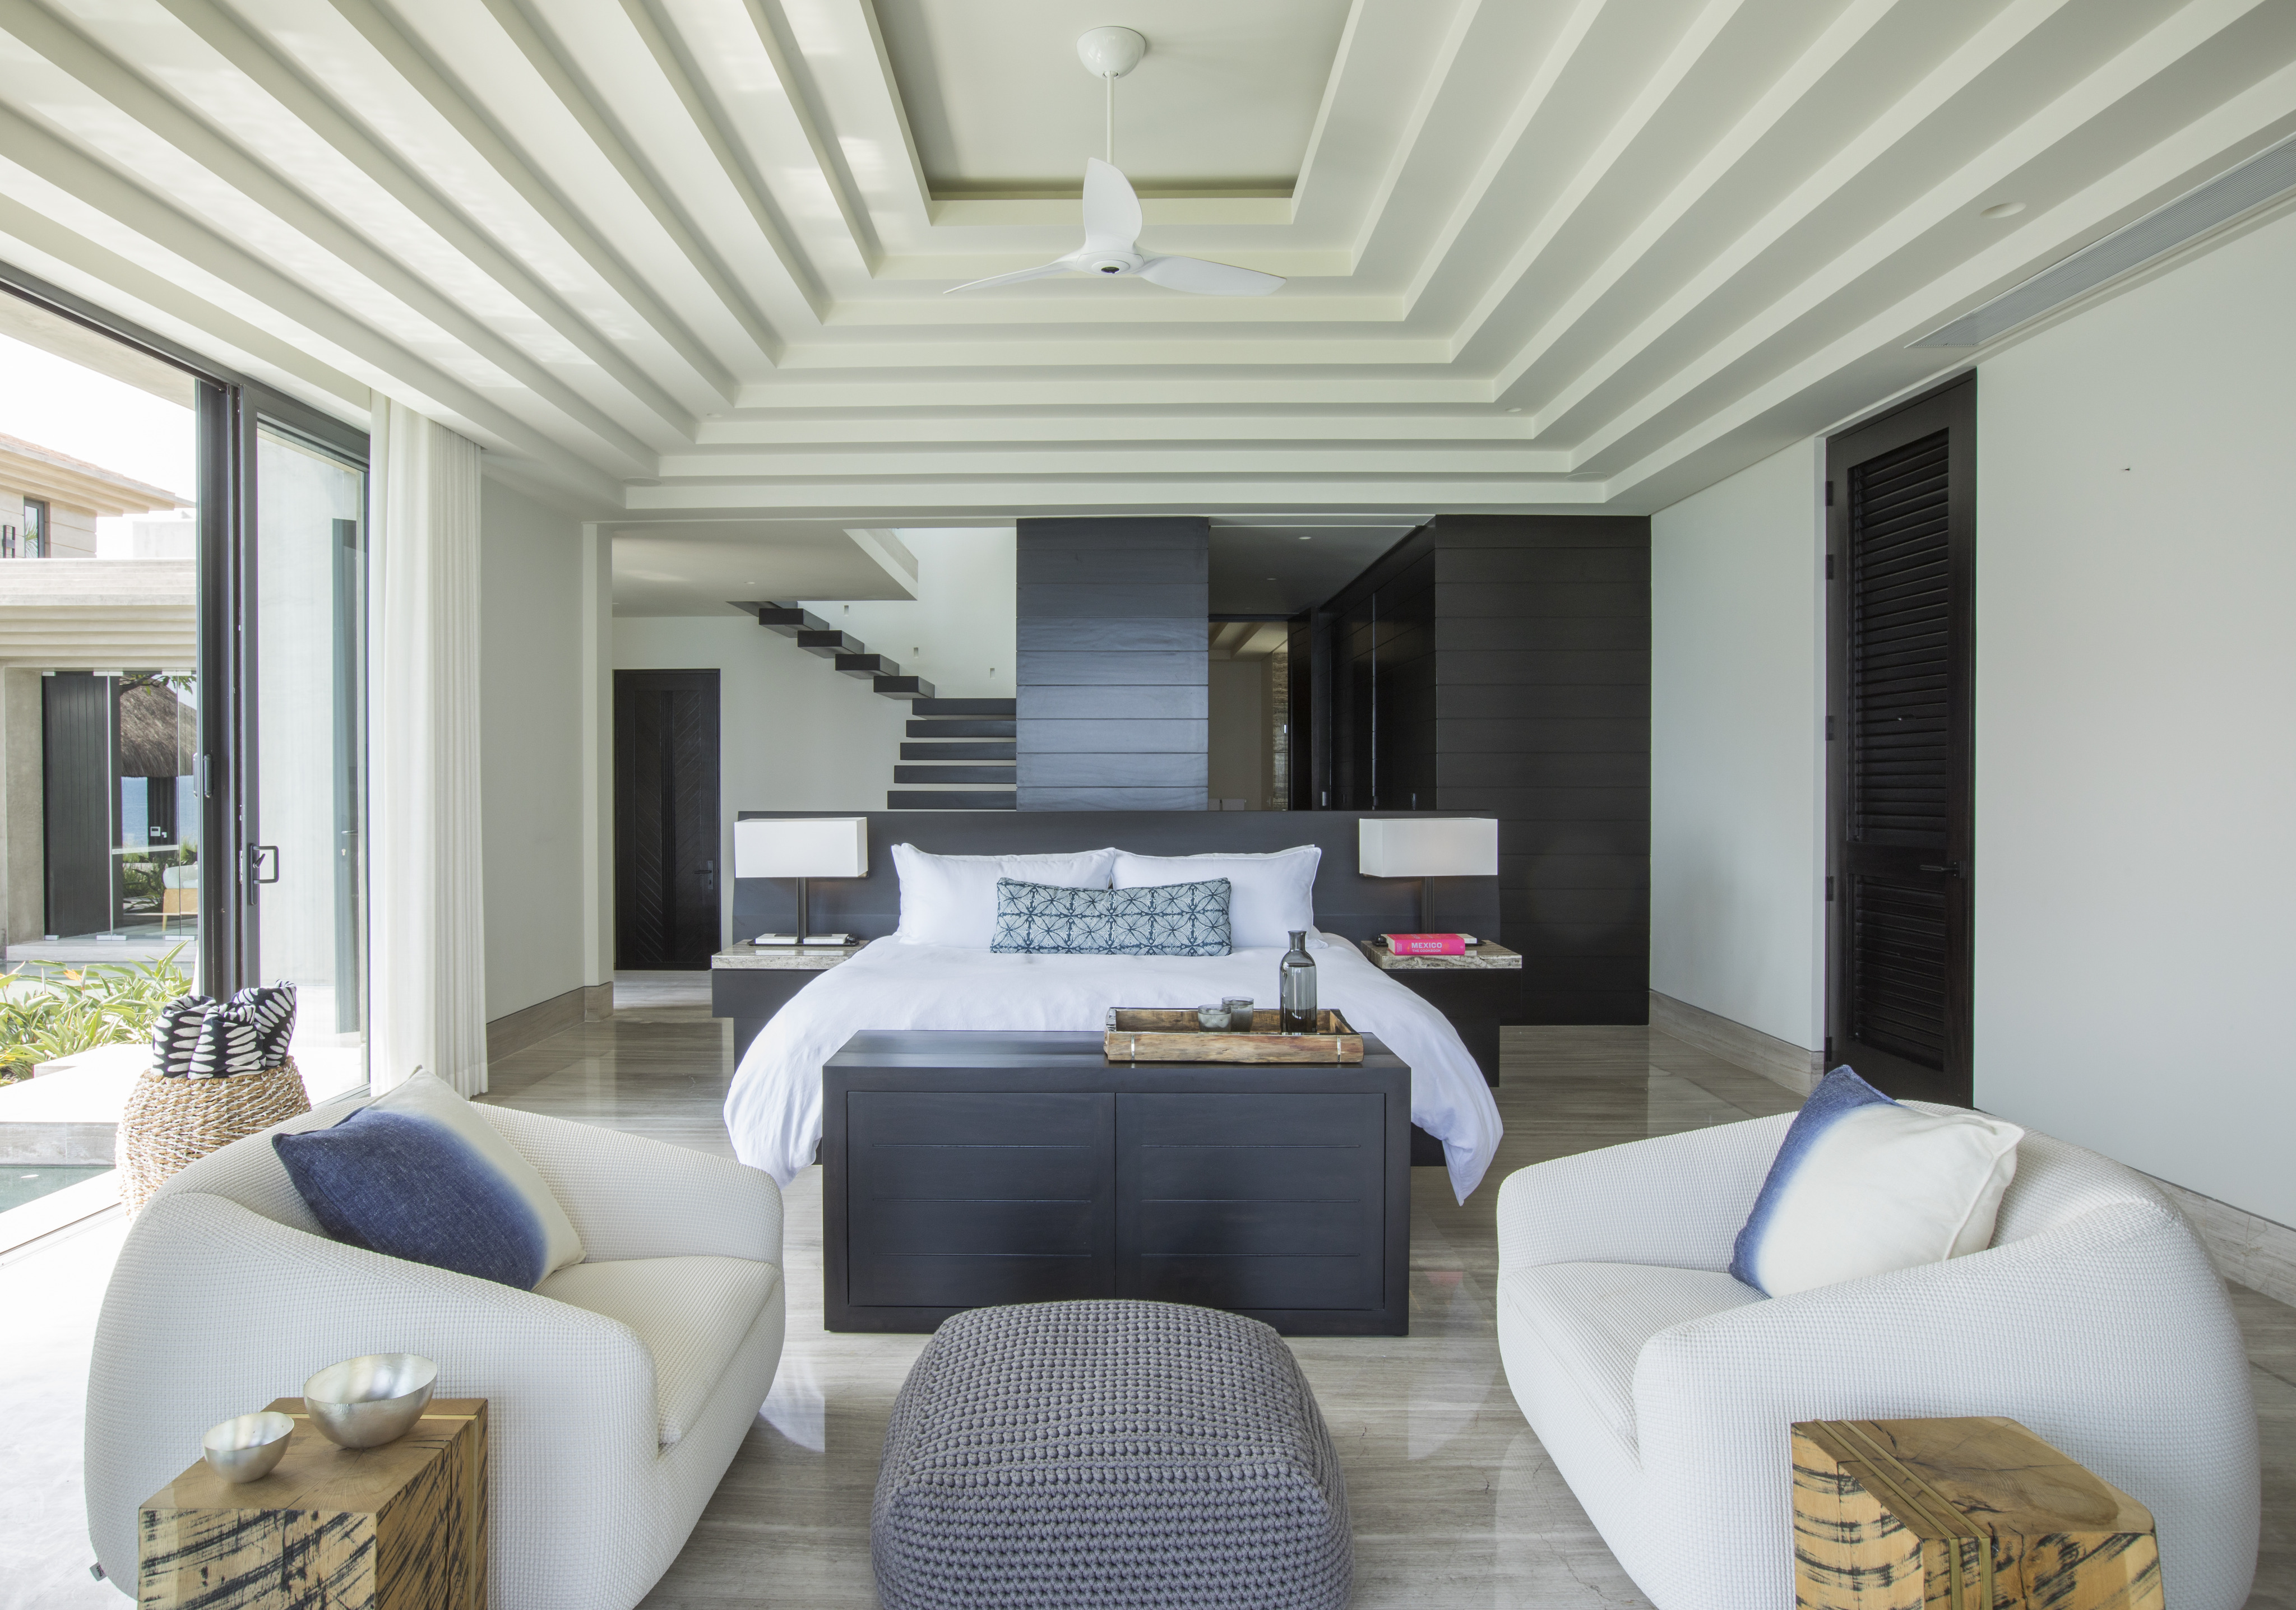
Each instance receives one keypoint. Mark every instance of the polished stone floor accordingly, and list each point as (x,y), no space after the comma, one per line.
(1455,1503)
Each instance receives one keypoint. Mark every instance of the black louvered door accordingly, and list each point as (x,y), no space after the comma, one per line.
(1901,521)
(666,822)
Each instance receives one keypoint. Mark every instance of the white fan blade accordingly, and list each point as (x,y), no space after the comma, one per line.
(1042,271)
(1111,212)
(1209,278)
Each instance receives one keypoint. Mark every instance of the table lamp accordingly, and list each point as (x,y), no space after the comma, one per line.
(801,847)
(1428,847)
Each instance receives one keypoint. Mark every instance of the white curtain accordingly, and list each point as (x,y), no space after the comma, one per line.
(429,917)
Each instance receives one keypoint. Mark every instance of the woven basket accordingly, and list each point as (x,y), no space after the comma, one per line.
(170,1123)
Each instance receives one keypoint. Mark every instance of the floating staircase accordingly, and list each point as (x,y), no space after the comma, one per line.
(966,745)
(816,635)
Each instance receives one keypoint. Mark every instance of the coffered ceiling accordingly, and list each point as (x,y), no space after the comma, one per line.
(686,258)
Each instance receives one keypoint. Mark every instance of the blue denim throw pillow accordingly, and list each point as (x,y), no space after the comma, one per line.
(418,1174)
(1170,919)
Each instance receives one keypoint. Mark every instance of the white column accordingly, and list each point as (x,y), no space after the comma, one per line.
(428,923)
(597,847)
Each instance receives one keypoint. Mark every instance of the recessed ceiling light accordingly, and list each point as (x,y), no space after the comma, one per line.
(1307,536)
(1514,411)
(2003,209)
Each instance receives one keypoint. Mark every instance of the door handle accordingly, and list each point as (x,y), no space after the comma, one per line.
(1951,868)
(259,857)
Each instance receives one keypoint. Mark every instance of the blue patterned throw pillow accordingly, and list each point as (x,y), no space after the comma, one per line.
(1171,920)
(418,1174)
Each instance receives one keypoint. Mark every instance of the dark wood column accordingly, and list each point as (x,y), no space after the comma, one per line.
(1113,658)
(1499,665)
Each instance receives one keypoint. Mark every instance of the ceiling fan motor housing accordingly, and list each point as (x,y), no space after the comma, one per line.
(1110,52)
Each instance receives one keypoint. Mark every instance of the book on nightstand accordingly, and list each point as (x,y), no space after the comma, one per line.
(791,940)
(1427,944)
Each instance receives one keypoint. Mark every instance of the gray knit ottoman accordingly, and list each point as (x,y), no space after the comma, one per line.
(1088,1456)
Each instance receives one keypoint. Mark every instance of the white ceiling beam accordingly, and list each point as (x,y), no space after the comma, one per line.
(1803,76)
(883,429)
(227,274)
(1038,458)
(918,501)
(442,94)
(608,141)
(683,76)
(77,57)
(2266,111)
(285,82)
(2146,59)
(1896,123)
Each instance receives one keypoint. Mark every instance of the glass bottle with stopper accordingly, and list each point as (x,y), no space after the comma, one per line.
(1297,974)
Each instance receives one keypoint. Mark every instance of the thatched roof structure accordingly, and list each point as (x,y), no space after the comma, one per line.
(158,733)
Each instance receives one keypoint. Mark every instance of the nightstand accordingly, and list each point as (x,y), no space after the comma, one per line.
(751,982)
(1447,984)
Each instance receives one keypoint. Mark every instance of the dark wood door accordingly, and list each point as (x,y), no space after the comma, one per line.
(77,765)
(1901,541)
(666,839)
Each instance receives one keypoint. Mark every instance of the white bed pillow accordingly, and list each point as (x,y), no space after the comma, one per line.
(1270,897)
(952,899)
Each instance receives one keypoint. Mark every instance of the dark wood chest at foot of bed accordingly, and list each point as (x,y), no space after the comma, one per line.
(967,1169)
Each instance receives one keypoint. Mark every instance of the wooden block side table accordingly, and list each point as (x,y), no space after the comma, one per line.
(1975,1514)
(398,1527)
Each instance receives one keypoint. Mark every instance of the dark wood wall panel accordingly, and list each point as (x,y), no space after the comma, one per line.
(1112,665)
(1506,659)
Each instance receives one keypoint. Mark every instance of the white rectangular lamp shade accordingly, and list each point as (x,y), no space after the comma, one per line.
(1428,847)
(802,846)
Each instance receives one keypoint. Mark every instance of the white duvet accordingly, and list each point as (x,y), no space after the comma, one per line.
(774,1110)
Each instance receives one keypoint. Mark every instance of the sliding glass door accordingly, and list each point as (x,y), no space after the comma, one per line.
(305,856)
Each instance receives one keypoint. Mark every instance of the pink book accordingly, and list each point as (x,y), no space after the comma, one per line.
(1426,944)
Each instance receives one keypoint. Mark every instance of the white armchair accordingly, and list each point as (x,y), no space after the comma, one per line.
(617,1392)
(1663,1389)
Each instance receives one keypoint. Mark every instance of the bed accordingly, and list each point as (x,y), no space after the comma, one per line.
(774,1109)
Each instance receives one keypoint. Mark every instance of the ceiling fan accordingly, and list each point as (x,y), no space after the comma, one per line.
(1112,211)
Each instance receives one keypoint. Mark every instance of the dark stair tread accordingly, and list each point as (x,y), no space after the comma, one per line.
(788,619)
(946,728)
(1005,708)
(934,775)
(904,687)
(959,751)
(983,799)
(859,663)
(831,643)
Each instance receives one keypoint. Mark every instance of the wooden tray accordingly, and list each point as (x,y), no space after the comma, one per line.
(1156,1034)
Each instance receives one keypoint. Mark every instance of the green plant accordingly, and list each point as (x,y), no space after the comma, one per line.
(42,1019)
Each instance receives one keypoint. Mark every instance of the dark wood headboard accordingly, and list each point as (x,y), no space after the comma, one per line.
(1347,902)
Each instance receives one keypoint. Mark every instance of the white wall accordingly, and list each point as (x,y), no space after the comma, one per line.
(1737,781)
(2135,869)
(795,735)
(531,727)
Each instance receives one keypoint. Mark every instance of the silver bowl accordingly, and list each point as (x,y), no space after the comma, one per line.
(365,1403)
(248,1447)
